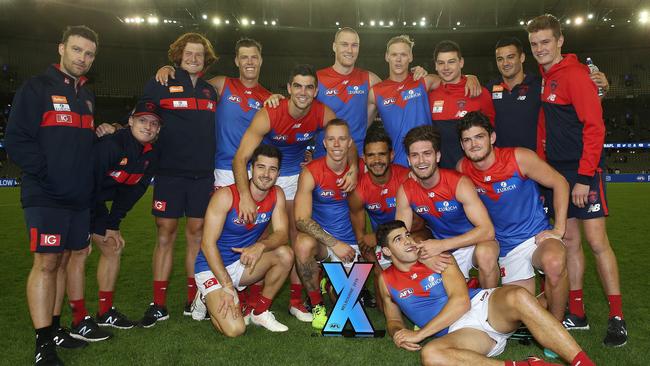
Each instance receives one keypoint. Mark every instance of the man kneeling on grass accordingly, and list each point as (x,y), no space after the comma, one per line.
(467,326)
(239,257)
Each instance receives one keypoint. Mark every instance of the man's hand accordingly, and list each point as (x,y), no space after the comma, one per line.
(407,339)
(472,87)
(105,129)
(308,158)
(274,100)
(250,255)
(229,302)
(418,72)
(429,248)
(549,234)
(344,251)
(117,237)
(350,181)
(437,263)
(580,194)
(600,80)
(368,243)
(165,73)
(247,209)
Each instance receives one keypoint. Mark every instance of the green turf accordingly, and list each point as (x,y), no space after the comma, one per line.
(181,341)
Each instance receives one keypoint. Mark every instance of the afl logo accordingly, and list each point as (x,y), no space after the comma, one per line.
(389,101)
(327,194)
(422,209)
(331,92)
(373,206)
(234,99)
(406,293)
(238,221)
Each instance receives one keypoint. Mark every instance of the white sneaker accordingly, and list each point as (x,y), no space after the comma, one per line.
(247,319)
(267,320)
(303,316)
(199,310)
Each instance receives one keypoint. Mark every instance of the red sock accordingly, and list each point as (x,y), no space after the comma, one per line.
(516,363)
(254,293)
(315,297)
(105,301)
(79,311)
(615,306)
(243,297)
(263,304)
(296,294)
(191,289)
(576,306)
(160,292)
(582,359)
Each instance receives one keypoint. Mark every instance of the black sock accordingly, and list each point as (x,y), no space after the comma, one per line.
(43,335)
(56,322)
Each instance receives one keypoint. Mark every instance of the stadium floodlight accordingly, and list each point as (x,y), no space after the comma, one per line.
(361,24)
(252,22)
(521,22)
(590,16)
(372,23)
(337,24)
(643,16)
(244,21)
(152,20)
(266,22)
(578,21)
(415,23)
(457,23)
(273,22)
(390,24)
(227,21)
(422,23)
(404,23)
(204,16)
(454,28)
(381,23)
(423,19)
(216,21)
(127,20)
(568,21)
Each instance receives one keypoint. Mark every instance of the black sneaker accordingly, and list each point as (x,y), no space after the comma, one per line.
(187,309)
(45,355)
(574,322)
(89,331)
(367,299)
(522,333)
(63,339)
(153,314)
(115,319)
(616,332)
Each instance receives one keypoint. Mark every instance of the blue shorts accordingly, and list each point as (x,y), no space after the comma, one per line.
(596,206)
(175,197)
(99,219)
(53,230)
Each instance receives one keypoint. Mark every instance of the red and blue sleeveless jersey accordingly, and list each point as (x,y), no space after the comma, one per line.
(347,96)
(330,207)
(238,234)
(448,105)
(438,206)
(291,136)
(235,110)
(379,200)
(402,106)
(419,293)
(511,199)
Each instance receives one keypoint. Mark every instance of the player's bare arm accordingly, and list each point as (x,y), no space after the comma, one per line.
(394,320)
(167,72)
(358,219)
(403,210)
(215,218)
(260,126)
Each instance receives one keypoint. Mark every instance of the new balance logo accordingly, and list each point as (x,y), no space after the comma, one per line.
(57,340)
(84,330)
(111,320)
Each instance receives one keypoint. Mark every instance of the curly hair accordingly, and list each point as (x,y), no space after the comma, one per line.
(175,52)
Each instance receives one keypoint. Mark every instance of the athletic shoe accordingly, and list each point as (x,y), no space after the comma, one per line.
(198,308)
(522,333)
(154,314)
(301,313)
(616,332)
(574,322)
(187,309)
(267,320)
(550,354)
(367,299)
(319,312)
(115,319)
(536,361)
(45,355)
(246,312)
(89,331)
(63,339)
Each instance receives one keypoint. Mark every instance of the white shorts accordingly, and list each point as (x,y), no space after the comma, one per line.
(289,185)
(384,262)
(207,282)
(463,257)
(518,264)
(332,257)
(223,178)
(476,318)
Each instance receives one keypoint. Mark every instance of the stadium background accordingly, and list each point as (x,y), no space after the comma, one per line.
(133,46)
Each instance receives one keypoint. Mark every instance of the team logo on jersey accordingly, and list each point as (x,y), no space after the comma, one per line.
(327,193)
(235,99)
(206,93)
(61,107)
(446,206)
(461,103)
(593,196)
(63,118)
(406,293)
(59,99)
(497,95)
(552,96)
(430,282)
(331,92)
(384,191)
(431,194)
(487,178)
(373,206)
(391,202)
(280,138)
(355,90)
(438,106)
(180,104)
(422,209)
(160,206)
(297,125)
(262,218)
(410,94)
(50,240)
(248,92)
(414,276)
(301,137)
(238,221)
(480,190)
(254,104)
(497,88)
(504,186)
(389,101)
(523,90)
(176,89)
(124,161)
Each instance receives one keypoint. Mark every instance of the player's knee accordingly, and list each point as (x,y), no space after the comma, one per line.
(234,330)
(518,297)
(285,256)
(80,254)
(554,264)
(48,263)
(487,254)
(304,247)
(432,355)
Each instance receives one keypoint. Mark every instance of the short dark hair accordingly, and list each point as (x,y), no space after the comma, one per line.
(545,21)
(423,133)
(303,70)
(384,229)
(377,135)
(446,46)
(474,119)
(510,41)
(81,31)
(266,150)
(247,42)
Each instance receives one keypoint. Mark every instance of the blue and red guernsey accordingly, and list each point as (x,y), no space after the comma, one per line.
(291,136)
(448,105)
(330,207)
(235,110)
(238,234)
(379,200)
(186,143)
(512,200)
(438,206)
(419,293)
(402,106)
(347,96)
(575,130)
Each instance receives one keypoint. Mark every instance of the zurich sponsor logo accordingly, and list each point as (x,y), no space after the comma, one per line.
(254,104)
(504,186)
(391,202)
(355,90)
(430,282)
(303,136)
(446,206)
(389,101)
(422,209)
(234,99)
(410,94)
(373,206)
(406,293)
(262,218)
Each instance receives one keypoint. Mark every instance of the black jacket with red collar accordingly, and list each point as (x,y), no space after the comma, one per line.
(186,143)
(50,137)
(123,169)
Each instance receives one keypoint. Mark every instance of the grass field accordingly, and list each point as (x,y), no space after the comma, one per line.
(181,341)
